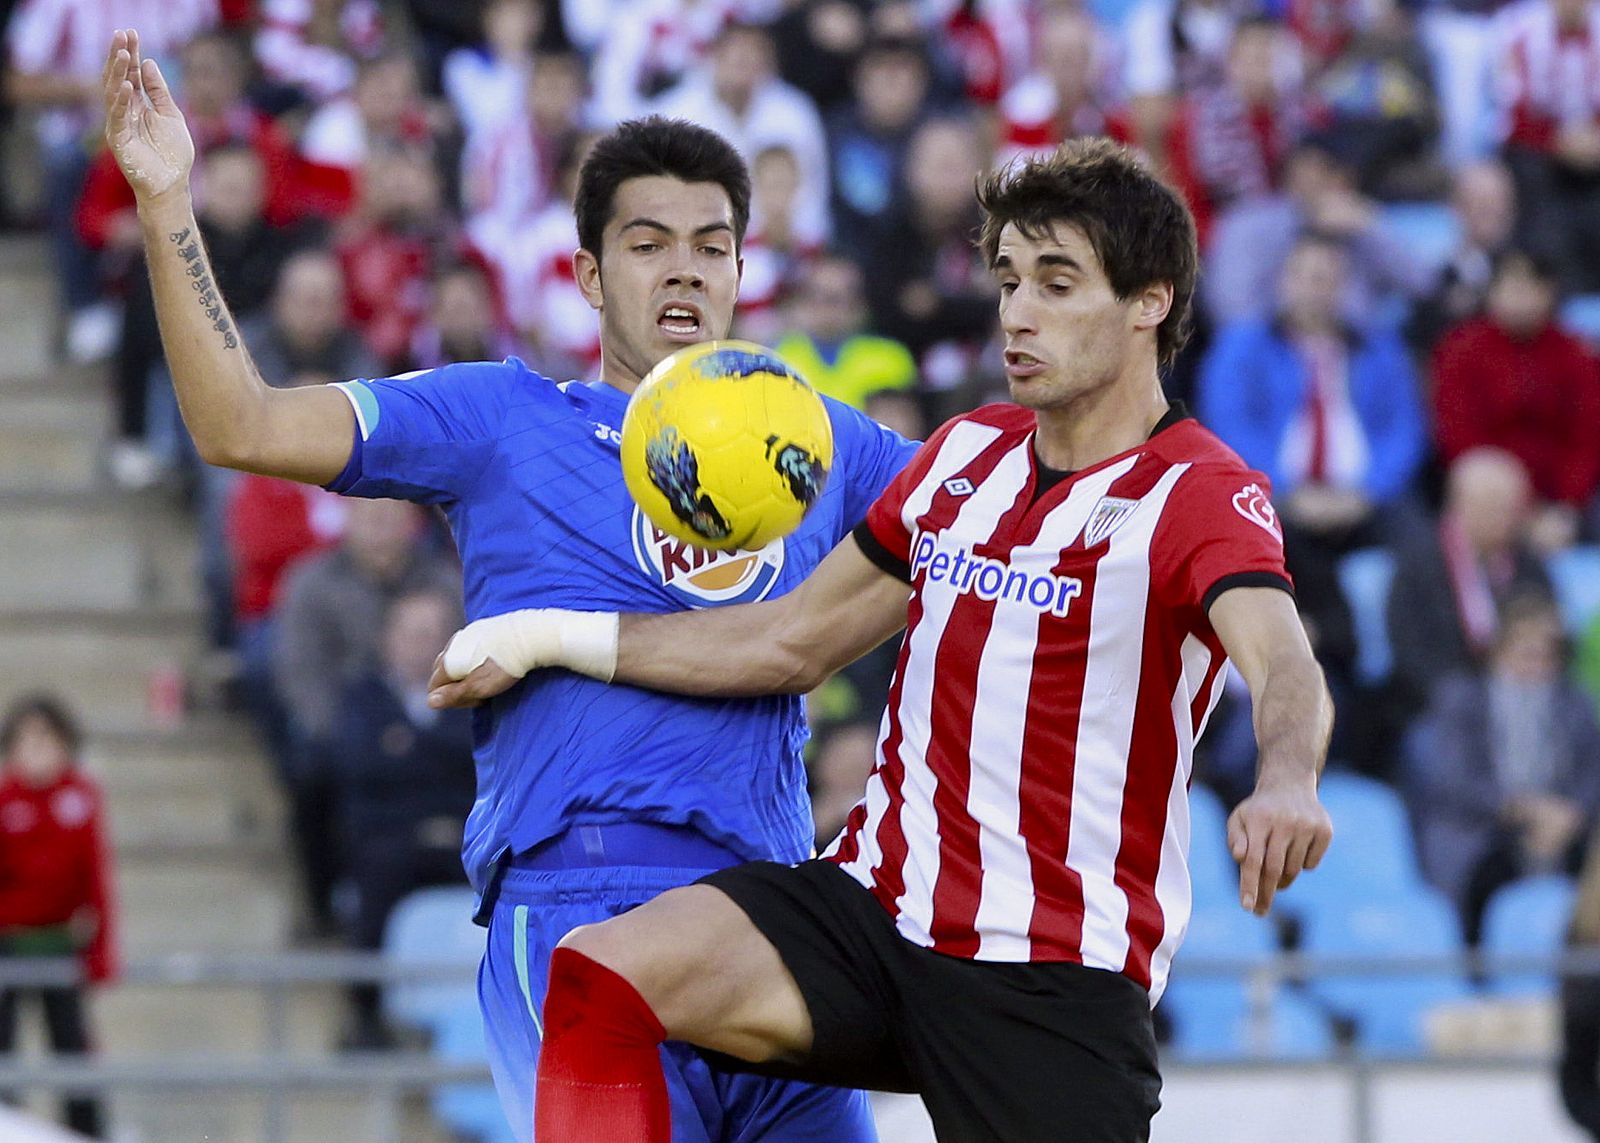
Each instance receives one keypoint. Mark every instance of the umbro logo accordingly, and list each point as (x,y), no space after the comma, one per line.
(958,486)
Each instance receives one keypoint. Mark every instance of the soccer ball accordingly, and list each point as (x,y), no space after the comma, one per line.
(725,446)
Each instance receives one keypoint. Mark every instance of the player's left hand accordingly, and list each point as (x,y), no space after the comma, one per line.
(1275,833)
(480,685)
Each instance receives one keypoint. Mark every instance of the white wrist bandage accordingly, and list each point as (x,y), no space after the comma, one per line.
(521,641)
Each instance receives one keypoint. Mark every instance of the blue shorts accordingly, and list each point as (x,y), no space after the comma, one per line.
(535,908)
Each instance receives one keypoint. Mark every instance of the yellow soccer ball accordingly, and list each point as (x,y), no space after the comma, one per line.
(725,446)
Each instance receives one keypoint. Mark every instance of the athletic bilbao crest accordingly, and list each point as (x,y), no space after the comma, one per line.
(698,577)
(1252,503)
(1107,517)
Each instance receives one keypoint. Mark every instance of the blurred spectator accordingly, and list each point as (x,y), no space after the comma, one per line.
(1332,416)
(509,168)
(1588,660)
(1251,241)
(1514,379)
(1452,581)
(818,43)
(305,337)
(327,634)
(1227,142)
(314,46)
(840,761)
(827,344)
(56,897)
(1459,36)
(740,97)
(385,111)
(56,51)
(391,246)
(781,242)
(444,27)
(548,311)
(869,135)
(926,286)
(487,83)
(988,40)
(1485,205)
(465,322)
(247,253)
(1375,102)
(1547,60)
(1069,91)
(1174,47)
(659,44)
(403,781)
(1503,771)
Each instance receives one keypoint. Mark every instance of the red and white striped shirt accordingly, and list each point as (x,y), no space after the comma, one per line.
(1030,796)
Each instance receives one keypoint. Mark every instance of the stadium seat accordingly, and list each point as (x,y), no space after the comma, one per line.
(1429,231)
(1213,1017)
(1373,856)
(471,1111)
(1387,1008)
(1582,316)
(1576,575)
(1212,872)
(1527,917)
(1365,577)
(433,927)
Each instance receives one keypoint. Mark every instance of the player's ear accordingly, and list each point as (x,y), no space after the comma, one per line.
(1153,304)
(586,271)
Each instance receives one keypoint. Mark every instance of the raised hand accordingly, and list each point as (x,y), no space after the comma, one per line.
(144,128)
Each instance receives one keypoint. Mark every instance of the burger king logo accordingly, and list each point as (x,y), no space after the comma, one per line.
(699,577)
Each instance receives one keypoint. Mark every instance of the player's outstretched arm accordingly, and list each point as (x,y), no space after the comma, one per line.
(787,645)
(1281,828)
(235,418)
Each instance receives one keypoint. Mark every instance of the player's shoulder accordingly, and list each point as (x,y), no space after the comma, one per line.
(1203,454)
(1001,418)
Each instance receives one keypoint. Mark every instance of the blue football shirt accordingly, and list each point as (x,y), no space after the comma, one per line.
(529,474)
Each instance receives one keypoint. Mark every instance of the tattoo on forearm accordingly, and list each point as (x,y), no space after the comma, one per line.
(200,282)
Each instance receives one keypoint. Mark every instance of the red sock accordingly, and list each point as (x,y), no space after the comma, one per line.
(600,1078)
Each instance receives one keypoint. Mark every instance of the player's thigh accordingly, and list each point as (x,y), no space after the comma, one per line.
(1030,1058)
(706,971)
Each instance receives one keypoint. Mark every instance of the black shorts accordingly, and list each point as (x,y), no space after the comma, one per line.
(1000,1053)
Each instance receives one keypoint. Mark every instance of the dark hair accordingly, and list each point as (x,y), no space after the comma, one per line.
(1529,261)
(48,710)
(640,148)
(1138,226)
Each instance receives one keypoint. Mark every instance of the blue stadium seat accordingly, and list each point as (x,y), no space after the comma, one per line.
(1373,856)
(1212,1016)
(1576,575)
(1365,577)
(1388,1009)
(1429,231)
(1582,316)
(1525,917)
(433,927)
(1212,871)
(471,1111)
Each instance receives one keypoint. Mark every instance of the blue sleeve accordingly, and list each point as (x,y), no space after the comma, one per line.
(427,436)
(1392,417)
(866,456)
(1236,400)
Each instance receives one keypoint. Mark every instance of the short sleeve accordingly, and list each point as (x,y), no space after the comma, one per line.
(426,436)
(884,535)
(867,456)
(1219,531)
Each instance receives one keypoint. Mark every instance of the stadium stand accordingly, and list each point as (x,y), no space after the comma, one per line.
(433,927)
(1528,917)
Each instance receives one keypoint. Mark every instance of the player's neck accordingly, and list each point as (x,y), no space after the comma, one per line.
(617,375)
(1099,425)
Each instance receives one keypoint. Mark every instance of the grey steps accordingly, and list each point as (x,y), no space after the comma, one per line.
(51,441)
(29,303)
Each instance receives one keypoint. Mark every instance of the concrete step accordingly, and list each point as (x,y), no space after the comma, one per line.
(214,1117)
(29,303)
(95,551)
(101,663)
(52,441)
(226,900)
(140,1021)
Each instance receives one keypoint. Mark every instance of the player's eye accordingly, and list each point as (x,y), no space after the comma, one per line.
(1008,288)
(715,251)
(646,247)
(1059,288)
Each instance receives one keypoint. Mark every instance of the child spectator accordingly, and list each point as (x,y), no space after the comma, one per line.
(55,879)
(827,343)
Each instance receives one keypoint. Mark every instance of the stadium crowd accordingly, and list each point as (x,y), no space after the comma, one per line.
(1399,210)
